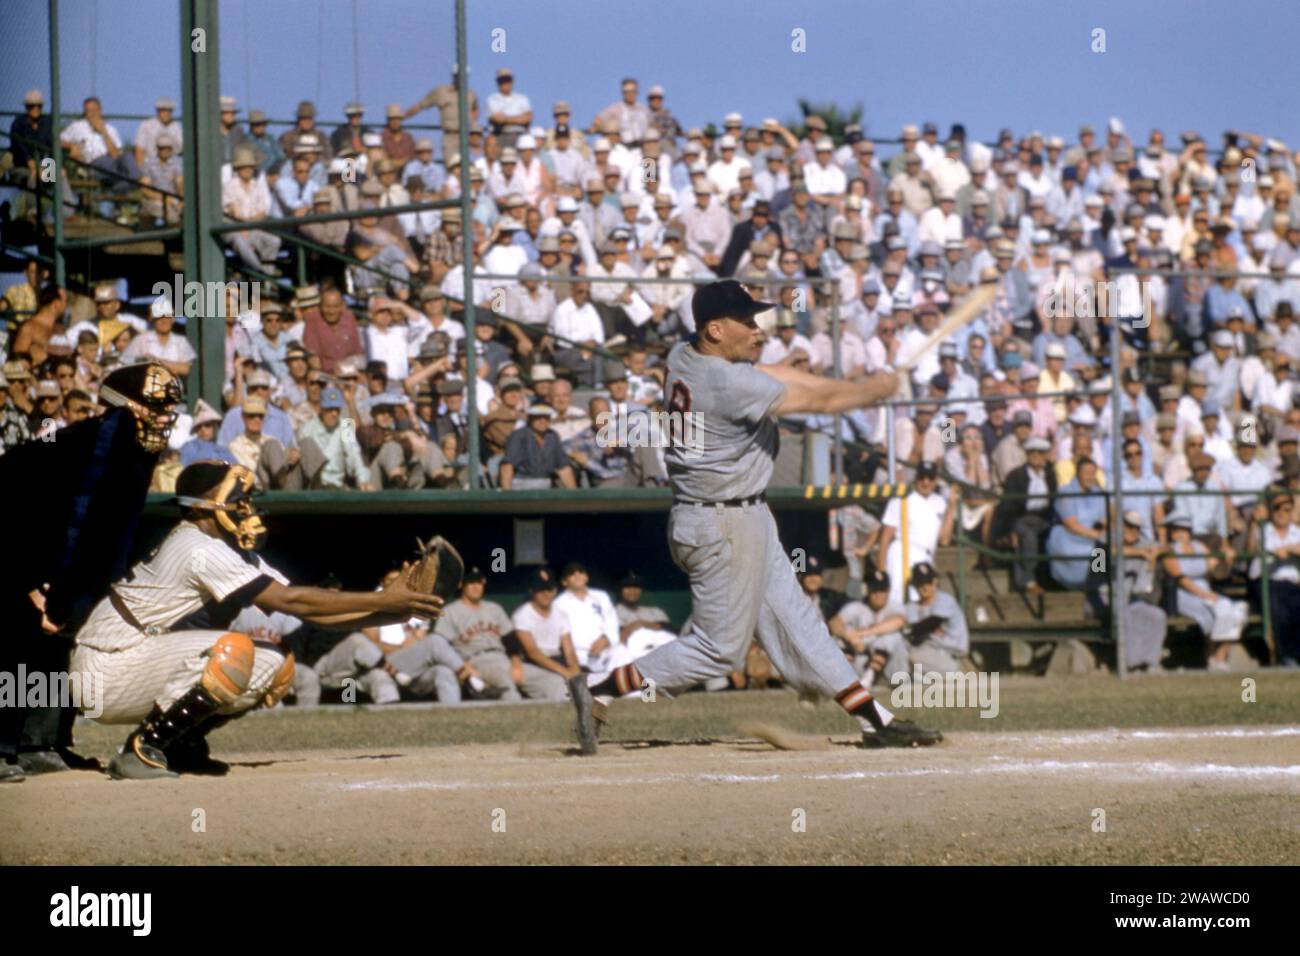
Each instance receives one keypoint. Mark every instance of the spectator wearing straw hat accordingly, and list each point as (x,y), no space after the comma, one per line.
(277,467)
(203,445)
(349,134)
(305,126)
(163,121)
(246,198)
(162,173)
(399,145)
(31,134)
(270,155)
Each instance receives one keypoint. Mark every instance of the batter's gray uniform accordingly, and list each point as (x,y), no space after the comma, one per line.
(858,614)
(742,580)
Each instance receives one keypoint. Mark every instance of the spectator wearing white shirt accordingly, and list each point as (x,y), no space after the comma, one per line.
(505,177)
(161,344)
(593,623)
(297,191)
(1273,392)
(949,172)
(724,173)
(707,226)
(928,148)
(509,112)
(825,180)
(787,345)
(163,121)
(542,631)
(95,142)
(505,258)
(576,319)
(386,337)
(1035,181)
(853,353)
(940,222)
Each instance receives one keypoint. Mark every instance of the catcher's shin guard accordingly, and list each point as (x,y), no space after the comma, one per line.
(144,755)
(190,754)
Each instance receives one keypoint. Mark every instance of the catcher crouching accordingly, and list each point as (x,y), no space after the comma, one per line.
(156,651)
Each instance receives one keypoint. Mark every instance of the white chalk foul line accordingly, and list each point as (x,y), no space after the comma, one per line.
(1149,768)
(1118,735)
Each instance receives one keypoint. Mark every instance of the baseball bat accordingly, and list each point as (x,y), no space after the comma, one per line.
(964,313)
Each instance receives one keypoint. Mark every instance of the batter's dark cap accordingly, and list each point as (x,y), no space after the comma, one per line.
(877,581)
(543,579)
(473,574)
(923,573)
(725,300)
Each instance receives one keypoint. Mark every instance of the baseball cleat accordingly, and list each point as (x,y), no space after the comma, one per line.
(584,705)
(11,772)
(139,761)
(901,733)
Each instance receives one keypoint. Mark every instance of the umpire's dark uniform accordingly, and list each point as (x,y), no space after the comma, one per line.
(74,502)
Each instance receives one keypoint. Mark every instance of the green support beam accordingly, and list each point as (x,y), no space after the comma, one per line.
(60,274)
(200,94)
(467,243)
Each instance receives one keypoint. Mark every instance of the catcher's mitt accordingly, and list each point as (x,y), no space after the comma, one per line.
(437,570)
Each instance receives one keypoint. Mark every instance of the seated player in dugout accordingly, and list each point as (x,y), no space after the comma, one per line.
(156,651)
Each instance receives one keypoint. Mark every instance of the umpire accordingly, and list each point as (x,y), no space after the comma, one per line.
(79,494)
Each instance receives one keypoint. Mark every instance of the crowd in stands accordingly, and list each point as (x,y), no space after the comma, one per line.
(1190,252)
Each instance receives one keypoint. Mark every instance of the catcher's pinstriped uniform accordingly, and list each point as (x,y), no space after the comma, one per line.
(150,637)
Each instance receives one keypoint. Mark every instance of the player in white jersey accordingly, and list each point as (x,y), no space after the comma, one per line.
(722,534)
(157,650)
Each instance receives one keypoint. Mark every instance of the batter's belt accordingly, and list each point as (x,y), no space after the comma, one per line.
(729,503)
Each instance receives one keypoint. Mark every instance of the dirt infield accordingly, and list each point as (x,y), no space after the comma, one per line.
(1191,795)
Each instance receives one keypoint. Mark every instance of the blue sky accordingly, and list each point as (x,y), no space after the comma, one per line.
(1178,64)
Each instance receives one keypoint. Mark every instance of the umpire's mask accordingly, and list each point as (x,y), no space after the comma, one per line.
(152,393)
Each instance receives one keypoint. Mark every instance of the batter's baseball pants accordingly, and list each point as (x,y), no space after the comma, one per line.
(742,586)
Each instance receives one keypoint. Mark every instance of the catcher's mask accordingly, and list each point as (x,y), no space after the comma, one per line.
(152,393)
(231,503)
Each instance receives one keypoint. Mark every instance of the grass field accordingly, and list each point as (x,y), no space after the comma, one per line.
(1182,769)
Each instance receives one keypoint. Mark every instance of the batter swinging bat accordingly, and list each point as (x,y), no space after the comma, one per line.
(964,313)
